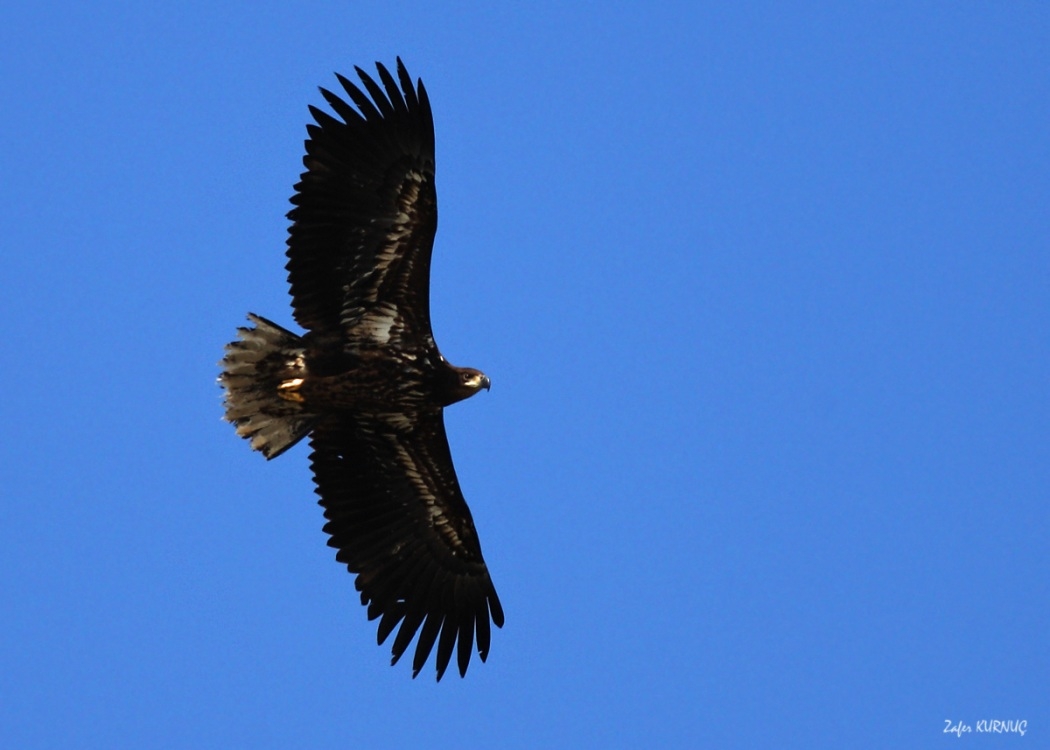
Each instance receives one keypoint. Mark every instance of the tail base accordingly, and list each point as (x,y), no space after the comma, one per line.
(254,369)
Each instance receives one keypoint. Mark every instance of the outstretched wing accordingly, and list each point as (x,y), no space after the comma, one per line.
(397,516)
(366,212)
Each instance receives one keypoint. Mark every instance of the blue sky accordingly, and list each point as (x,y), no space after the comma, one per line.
(763,293)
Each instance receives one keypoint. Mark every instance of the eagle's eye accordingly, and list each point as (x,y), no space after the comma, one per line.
(473,380)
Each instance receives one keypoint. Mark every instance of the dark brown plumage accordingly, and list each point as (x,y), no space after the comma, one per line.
(366,381)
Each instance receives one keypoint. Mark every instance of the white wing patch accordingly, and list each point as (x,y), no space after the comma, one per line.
(378,325)
(381,324)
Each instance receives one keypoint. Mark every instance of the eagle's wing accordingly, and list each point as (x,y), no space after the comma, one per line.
(397,516)
(366,212)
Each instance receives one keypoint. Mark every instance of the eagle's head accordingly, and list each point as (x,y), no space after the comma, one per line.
(468,382)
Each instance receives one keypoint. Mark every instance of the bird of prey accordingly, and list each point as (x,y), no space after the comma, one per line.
(366,381)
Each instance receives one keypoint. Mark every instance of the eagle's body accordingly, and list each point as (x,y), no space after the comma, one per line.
(366,381)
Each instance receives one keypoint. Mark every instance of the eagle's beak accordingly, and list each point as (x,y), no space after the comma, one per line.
(485,382)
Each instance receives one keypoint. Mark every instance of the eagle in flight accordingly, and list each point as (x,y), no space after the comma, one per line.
(366,381)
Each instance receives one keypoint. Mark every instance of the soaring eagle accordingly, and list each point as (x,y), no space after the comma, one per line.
(366,381)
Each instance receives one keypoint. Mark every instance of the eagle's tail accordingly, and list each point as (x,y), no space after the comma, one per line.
(264,361)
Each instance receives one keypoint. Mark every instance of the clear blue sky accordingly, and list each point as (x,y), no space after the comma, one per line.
(764,293)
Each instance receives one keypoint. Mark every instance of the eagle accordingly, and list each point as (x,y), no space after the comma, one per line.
(366,381)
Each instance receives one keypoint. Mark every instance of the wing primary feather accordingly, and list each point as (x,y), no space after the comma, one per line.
(325,120)
(386,626)
(468,613)
(428,598)
(368,110)
(495,608)
(425,644)
(449,629)
(349,114)
(384,106)
(393,93)
(483,631)
(408,629)
(378,96)
(406,86)
(426,118)
(314,132)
